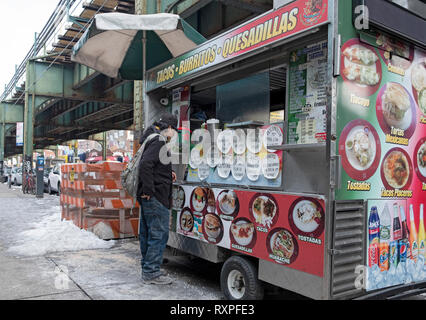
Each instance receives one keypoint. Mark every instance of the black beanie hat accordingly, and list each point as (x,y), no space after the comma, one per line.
(169,120)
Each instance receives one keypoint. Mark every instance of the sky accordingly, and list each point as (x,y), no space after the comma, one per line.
(19,20)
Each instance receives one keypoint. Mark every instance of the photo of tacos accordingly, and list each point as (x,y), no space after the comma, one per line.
(264,210)
(396,168)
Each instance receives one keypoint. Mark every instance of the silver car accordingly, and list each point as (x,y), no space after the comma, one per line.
(17,176)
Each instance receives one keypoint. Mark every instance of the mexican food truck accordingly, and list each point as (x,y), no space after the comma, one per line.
(302,150)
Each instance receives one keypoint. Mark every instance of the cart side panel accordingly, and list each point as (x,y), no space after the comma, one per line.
(381,139)
(285,229)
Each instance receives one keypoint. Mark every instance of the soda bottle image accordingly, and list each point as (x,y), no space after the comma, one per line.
(374,225)
(373,237)
(402,248)
(414,247)
(385,225)
(384,256)
(397,230)
(393,253)
(373,254)
(405,231)
(422,235)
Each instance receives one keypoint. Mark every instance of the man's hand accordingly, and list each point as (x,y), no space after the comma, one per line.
(174,177)
(146,197)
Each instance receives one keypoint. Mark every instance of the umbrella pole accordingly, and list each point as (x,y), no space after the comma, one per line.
(144,73)
(143,101)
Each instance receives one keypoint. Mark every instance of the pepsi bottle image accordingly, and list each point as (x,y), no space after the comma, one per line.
(403,248)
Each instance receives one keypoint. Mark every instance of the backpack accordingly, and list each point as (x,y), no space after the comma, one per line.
(130,176)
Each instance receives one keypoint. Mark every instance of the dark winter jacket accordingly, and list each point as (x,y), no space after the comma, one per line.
(155,178)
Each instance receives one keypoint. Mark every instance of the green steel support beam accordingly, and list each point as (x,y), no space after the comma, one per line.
(57,81)
(29,118)
(10,148)
(2,145)
(11,113)
(49,84)
(83,75)
(141,7)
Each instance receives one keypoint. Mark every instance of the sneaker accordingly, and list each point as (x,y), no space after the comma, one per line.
(161,280)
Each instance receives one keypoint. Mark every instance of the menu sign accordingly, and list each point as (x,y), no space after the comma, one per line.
(240,158)
(382,144)
(307,94)
(297,16)
(287,230)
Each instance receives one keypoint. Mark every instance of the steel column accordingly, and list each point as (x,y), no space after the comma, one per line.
(138,114)
(2,145)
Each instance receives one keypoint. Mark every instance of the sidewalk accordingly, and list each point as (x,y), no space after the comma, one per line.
(99,274)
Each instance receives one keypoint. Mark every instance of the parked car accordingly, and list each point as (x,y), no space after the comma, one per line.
(46,178)
(5,176)
(54,180)
(17,176)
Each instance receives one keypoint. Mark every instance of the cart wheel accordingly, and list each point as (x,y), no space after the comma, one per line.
(238,280)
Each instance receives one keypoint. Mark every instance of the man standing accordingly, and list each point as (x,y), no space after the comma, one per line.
(154,196)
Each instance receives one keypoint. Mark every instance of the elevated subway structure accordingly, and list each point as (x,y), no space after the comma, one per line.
(59,100)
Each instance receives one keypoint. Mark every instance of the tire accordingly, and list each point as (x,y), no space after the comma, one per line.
(238,280)
(59,189)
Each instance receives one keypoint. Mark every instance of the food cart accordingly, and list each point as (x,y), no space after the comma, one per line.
(313,177)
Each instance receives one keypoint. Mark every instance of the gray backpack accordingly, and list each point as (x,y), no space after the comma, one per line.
(130,176)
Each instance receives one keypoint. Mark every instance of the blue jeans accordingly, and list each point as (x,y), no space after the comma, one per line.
(154,234)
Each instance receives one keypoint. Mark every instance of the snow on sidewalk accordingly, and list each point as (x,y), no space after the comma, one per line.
(53,235)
